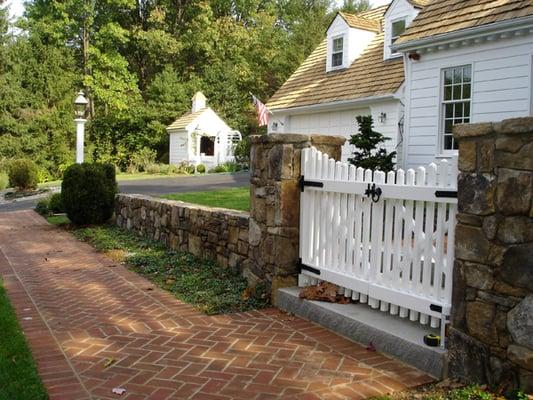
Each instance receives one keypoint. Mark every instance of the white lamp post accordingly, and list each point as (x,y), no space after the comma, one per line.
(80,104)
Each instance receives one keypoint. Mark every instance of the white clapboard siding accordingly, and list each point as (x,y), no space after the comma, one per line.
(394,253)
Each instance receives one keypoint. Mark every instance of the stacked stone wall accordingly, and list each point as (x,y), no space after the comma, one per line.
(261,245)
(213,233)
(491,335)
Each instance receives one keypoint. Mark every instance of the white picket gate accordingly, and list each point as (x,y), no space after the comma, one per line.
(384,239)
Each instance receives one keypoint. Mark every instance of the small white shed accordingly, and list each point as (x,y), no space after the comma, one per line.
(201,136)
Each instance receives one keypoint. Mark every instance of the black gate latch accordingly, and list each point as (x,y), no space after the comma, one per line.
(373,192)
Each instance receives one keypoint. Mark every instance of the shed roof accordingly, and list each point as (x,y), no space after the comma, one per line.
(368,76)
(446,16)
(186,119)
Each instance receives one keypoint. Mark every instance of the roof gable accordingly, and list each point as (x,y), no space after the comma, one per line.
(368,76)
(446,16)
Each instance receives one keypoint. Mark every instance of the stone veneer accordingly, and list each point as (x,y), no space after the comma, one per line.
(491,334)
(262,245)
(275,204)
(213,233)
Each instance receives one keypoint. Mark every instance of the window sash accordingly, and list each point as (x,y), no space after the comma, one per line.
(397,28)
(337,53)
(456,102)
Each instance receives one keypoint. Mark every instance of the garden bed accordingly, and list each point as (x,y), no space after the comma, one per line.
(210,287)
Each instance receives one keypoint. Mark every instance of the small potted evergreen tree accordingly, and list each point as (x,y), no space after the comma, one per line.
(369,153)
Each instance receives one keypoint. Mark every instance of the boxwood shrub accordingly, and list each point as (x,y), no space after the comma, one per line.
(88,193)
(23,174)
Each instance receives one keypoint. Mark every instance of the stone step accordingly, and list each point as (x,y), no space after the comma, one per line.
(398,337)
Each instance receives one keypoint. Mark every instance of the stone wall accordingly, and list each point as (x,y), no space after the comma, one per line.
(213,233)
(262,245)
(491,334)
(275,204)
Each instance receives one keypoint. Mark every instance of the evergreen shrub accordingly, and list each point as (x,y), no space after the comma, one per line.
(88,193)
(23,174)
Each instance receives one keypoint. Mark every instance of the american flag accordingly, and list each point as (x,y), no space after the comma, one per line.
(262,112)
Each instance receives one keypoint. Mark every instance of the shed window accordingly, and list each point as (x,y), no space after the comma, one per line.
(456,101)
(207,145)
(398,27)
(337,53)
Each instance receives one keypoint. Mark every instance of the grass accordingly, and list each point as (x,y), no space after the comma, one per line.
(212,288)
(234,198)
(18,373)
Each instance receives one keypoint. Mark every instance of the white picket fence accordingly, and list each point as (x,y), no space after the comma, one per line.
(395,253)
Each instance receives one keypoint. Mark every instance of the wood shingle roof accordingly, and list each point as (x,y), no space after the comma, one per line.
(446,16)
(368,76)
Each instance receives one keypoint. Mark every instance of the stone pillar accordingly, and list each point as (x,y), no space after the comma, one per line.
(275,204)
(491,334)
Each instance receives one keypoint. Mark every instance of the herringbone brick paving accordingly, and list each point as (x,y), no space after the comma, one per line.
(94,326)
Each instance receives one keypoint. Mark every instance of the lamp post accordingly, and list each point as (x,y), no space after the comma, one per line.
(80,104)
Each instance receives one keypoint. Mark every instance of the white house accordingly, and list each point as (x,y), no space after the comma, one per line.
(352,72)
(417,67)
(201,136)
(467,61)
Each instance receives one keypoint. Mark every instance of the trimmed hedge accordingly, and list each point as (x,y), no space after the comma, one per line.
(88,193)
(23,174)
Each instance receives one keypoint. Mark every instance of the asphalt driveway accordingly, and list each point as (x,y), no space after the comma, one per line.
(160,186)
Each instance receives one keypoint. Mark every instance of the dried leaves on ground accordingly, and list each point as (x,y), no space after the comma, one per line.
(324,291)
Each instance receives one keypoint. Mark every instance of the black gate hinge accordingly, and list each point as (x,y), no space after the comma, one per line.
(303,183)
(303,267)
(452,194)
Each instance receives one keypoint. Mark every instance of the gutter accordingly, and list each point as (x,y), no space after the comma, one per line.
(464,34)
(335,104)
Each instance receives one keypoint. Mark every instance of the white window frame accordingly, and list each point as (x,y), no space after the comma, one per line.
(404,19)
(333,52)
(442,108)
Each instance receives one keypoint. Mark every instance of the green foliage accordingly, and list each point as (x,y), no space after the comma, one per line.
(226,167)
(88,192)
(242,152)
(43,207)
(4,180)
(201,168)
(369,154)
(234,198)
(23,174)
(210,287)
(142,158)
(56,203)
(139,64)
(519,395)
(355,6)
(18,373)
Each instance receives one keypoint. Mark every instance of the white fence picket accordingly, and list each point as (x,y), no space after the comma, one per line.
(395,252)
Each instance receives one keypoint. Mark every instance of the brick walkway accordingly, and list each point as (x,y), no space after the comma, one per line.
(93,326)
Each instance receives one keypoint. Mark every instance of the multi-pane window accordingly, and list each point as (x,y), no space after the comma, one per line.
(398,27)
(456,100)
(337,52)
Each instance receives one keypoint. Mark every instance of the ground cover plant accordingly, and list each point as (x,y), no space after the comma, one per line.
(453,390)
(18,374)
(210,287)
(234,198)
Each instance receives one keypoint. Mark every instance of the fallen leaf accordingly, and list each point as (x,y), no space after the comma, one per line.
(109,362)
(370,347)
(119,391)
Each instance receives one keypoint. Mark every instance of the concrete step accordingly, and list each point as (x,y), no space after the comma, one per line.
(398,337)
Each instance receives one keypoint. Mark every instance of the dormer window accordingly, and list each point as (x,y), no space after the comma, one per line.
(398,27)
(337,53)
